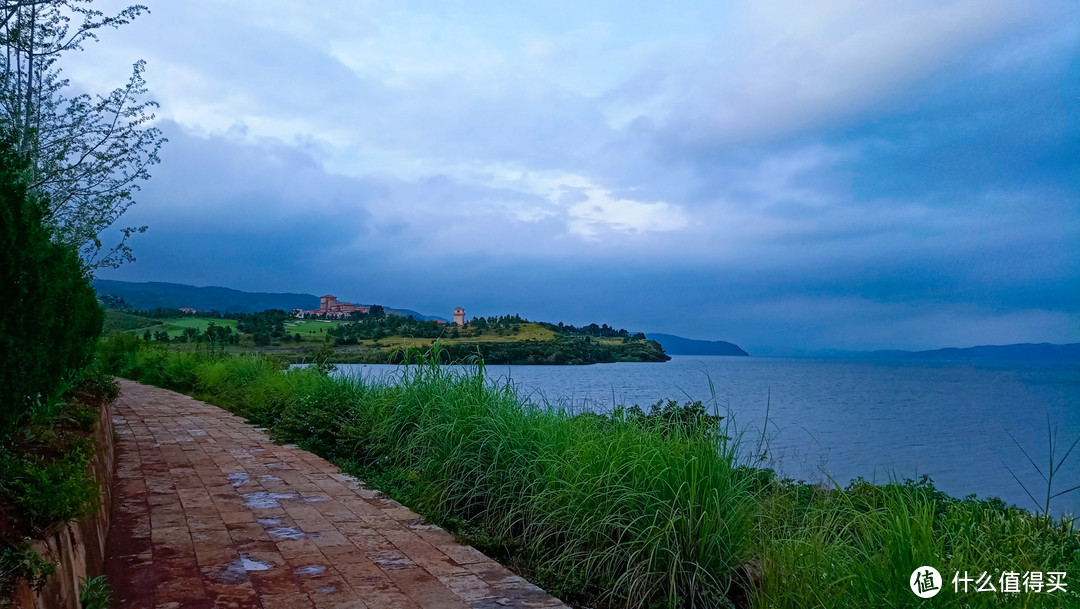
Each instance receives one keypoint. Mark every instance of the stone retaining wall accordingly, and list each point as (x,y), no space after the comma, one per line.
(76,548)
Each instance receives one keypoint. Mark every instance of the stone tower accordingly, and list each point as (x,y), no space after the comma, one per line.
(459,316)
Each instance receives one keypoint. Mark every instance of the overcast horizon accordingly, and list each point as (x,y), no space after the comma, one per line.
(786,177)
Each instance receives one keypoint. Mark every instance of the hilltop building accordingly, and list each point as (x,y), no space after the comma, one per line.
(459,316)
(330,307)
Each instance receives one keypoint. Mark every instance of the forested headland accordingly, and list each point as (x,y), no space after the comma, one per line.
(376,337)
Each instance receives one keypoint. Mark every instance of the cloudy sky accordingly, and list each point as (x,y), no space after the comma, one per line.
(788,176)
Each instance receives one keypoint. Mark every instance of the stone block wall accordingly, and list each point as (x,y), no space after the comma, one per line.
(76,548)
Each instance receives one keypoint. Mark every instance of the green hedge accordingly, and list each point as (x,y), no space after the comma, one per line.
(49,315)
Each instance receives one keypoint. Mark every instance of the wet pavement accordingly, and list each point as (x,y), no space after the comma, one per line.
(208,512)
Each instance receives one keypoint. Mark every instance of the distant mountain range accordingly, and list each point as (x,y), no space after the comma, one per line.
(1024,352)
(677,345)
(157,294)
(1033,352)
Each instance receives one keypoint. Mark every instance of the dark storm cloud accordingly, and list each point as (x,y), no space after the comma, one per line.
(789,178)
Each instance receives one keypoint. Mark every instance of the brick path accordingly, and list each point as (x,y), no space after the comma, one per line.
(208,512)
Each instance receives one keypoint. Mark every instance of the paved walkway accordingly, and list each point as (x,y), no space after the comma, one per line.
(208,512)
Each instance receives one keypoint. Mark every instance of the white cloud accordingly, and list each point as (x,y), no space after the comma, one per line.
(600,210)
(780,67)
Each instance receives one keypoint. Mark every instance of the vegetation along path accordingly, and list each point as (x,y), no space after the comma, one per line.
(210,513)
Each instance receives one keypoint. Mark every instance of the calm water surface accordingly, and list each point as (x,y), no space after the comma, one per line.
(844,419)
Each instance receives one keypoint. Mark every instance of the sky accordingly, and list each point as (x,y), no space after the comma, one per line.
(787,176)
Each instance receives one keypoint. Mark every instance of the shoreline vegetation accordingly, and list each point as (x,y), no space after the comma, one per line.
(655,508)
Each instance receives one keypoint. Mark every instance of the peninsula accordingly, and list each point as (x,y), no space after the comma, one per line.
(344,332)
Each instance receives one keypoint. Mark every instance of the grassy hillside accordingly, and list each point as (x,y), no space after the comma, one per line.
(312,329)
(119,321)
(383,341)
(176,326)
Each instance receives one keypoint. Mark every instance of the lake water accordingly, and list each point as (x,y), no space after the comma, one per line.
(847,418)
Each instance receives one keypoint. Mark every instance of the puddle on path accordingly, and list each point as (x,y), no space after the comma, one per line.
(236,571)
(391,560)
(238,478)
(309,570)
(290,533)
(265,500)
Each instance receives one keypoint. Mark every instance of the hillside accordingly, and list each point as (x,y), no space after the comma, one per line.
(389,339)
(159,294)
(677,345)
(1021,352)
(1028,352)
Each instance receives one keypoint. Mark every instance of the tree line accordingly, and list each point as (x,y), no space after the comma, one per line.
(564,350)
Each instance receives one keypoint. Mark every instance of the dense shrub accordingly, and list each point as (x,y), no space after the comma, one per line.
(49,315)
(48,490)
(563,350)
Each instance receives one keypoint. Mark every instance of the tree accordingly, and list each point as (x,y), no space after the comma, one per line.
(87,154)
(49,314)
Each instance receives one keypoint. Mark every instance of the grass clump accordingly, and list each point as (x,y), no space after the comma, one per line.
(95,593)
(857,547)
(46,489)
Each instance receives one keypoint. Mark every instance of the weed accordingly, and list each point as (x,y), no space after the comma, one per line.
(47,490)
(23,563)
(95,593)
(1053,468)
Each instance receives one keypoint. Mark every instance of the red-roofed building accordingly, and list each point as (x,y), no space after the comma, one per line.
(330,307)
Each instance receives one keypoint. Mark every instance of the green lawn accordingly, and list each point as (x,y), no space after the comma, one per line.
(314,332)
(175,326)
(119,321)
(529,331)
(311,328)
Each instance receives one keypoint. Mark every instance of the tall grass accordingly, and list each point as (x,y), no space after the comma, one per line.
(634,511)
(625,510)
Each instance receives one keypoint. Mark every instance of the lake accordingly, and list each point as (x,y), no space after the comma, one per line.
(841,419)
